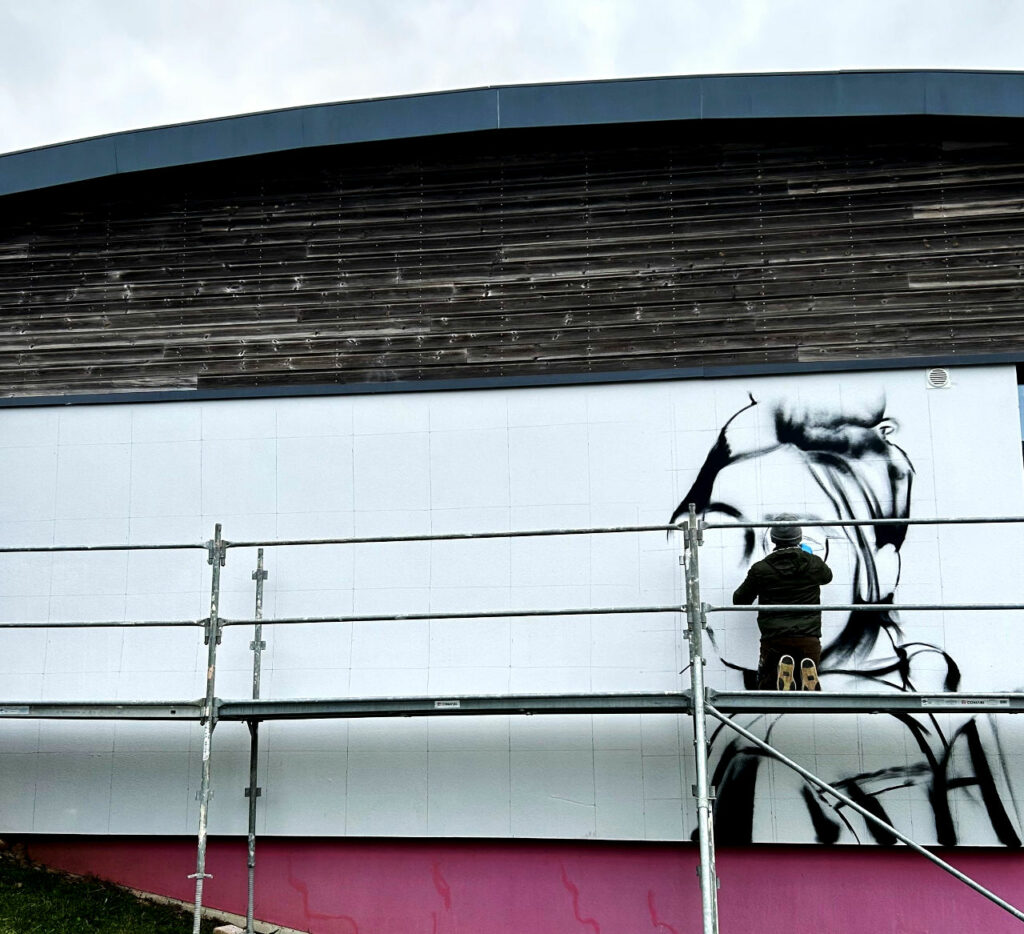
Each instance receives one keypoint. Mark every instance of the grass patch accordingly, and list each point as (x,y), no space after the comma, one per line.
(35,901)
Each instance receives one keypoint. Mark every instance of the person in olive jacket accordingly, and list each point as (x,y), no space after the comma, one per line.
(787,575)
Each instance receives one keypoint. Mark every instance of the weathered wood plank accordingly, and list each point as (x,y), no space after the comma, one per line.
(543,256)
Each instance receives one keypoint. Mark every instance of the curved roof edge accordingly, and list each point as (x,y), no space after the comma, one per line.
(633,100)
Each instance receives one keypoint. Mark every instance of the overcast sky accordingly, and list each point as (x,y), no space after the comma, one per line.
(75,68)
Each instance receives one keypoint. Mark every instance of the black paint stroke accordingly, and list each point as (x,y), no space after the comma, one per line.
(826,829)
(982,779)
(719,457)
(843,454)
(870,803)
(735,780)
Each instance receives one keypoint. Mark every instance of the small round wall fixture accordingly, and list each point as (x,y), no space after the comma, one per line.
(939,378)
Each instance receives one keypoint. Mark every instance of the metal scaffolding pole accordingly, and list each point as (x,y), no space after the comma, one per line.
(253,791)
(694,632)
(216,555)
(864,812)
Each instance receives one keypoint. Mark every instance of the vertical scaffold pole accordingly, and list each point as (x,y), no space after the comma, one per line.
(694,631)
(253,791)
(216,555)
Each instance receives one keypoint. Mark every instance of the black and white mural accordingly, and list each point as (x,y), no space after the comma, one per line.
(821,463)
(828,446)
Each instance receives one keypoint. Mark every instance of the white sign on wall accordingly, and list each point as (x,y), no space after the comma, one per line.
(866,445)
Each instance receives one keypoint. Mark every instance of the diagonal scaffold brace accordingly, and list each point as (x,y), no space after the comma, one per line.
(864,812)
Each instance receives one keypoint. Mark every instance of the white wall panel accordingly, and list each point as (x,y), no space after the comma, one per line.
(18,789)
(469,793)
(28,481)
(288,807)
(491,460)
(553,793)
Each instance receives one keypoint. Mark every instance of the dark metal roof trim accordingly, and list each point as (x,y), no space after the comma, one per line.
(510,382)
(635,100)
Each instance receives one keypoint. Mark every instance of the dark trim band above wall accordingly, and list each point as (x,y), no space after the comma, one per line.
(637,100)
(513,382)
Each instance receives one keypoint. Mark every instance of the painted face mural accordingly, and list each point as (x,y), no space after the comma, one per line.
(770,460)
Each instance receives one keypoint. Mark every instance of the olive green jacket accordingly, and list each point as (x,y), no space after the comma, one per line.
(787,575)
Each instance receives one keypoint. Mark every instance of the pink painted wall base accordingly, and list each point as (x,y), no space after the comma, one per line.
(349,886)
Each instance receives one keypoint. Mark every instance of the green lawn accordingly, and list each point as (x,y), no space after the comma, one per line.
(33,901)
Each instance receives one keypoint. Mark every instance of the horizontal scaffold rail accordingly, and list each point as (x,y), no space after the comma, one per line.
(37,549)
(854,607)
(467,614)
(370,618)
(522,533)
(501,614)
(452,536)
(845,523)
(517,704)
(350,540)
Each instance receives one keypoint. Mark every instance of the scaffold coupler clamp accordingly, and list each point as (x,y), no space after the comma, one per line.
(210,713)
(208,628)
(214,550)
(200,875)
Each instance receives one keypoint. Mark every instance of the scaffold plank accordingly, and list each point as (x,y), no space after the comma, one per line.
(874,702)
(728,702)
(101,710)
(345,707)
(733,702)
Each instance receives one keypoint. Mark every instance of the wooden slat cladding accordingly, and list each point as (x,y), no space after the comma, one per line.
(510,254)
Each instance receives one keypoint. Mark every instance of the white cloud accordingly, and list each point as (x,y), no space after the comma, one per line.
(72,68)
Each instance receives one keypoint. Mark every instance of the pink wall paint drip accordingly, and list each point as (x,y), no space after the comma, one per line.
(476,887)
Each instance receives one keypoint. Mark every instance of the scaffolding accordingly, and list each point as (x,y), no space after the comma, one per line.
(699,702)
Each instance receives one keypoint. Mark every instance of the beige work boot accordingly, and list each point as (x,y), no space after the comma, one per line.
(809,676)
(786,679)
